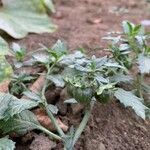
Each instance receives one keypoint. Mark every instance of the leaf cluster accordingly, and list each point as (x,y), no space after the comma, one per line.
(87,79)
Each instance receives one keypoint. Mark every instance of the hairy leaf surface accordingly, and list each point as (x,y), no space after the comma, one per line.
(4,48)
(10,105)
(144,63)
(21,123)
(18,18)
(130,100)
(6,144)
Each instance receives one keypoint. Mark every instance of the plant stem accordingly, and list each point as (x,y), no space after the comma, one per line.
(139,84)
(83,123)
(49,69)
(51,135)
(51,116)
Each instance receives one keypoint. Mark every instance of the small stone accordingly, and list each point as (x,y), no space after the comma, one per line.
(94,21)
(98,120)
(58,15)
(101,146)
(41,142)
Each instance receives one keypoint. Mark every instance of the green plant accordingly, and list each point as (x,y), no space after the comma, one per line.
(18,83)
(131,48)
(5,68)
(18,52)
(88,80)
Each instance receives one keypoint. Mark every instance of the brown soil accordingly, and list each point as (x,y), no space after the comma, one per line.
(83,23)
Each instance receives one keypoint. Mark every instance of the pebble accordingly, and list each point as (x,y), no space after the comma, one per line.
(42,142)
(94,21)
(58,15)
(101,146)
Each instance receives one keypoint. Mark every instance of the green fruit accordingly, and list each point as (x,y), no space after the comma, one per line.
(81,95)
(104,97)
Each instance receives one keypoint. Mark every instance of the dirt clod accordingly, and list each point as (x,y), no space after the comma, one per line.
(62,107)
(41,142)
(46,122)
(94,21)
(58,15)
(76,108)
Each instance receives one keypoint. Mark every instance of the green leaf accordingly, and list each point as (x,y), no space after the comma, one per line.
(32,96)
(81,69)
(121,78)
(58,49)
(113,65)
(19,52)
(127,27)
(52,108)
(5,69)
(41,58)
(18,18)
(72,58)
(57,80)
(124,47)
(100,79)
(130,100)
(144,64)
(49,4)
(146,88)
(101,61)
(139,30)
(70,101)
(21,123)
(10,105)
(6,144)
(4,48)
(104,87)
(114,40)
(59,46)
(16,47)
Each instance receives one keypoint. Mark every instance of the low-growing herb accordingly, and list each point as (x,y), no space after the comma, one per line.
(88,80)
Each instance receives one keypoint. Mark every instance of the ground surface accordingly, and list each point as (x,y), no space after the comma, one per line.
(82,23)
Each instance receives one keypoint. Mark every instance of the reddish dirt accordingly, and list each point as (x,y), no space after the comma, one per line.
(83,23)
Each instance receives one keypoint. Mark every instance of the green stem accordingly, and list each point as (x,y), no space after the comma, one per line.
(55,123)
(82,124)
(51,116)
(139,84)
(49,70)
(51,135)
